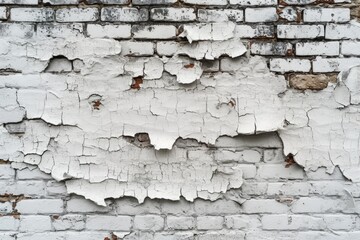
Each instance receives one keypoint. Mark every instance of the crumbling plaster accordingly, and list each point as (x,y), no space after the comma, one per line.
(75,122)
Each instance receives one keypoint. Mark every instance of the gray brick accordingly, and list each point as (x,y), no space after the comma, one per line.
(114,14)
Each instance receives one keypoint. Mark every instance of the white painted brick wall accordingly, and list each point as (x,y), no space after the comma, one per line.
(275,201)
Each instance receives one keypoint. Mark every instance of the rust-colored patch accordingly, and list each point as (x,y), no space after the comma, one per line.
(137,81)
(114,237)
(298,16)
(290,53)
(4,161)
(289,160)
(15,214)
(190,65)
(96,104)
(282,2)
(55,217)
(232,102)
(11,198)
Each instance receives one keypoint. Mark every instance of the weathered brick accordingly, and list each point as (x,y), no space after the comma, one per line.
(153,2)
(68,222)
(154,32)
(62,30)
(254,188)
(310,81)
(300,31)
(323,65)
(290,65)
(114,14)
(117,2)
(256,31)
(342,31)
(263,206)
(81,205)
(32,14)
(149,222)
(327,15)
(276,171)
(6,172)
(206,2)
(8,223)
(29,174)
(5,207)
(267,48)
(77,14)
(130,48)
(108,31)
(321,205)
(261,15)
(40,206)
(61,2)
(16,30)
(227,235)
(292,222)
(339,221)
(350,48)
(254,2)
(289,188)
(245,156)
(318,48)
(242,222)
(180,223)
(35,224)
(209,223)
(19,2)
(3,13)
(220,15)
(173,14)
(28,188)
(114,223)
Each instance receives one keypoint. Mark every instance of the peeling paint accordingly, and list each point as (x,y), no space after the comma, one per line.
(73,119)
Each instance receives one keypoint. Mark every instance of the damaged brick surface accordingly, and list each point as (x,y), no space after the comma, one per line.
(221,119)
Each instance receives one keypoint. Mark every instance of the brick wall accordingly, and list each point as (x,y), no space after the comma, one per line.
(308,42)
(275,202)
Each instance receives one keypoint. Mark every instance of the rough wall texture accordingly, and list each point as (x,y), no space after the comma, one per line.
(192,119)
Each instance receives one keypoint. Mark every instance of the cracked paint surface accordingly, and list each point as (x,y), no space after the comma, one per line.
(74,122)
